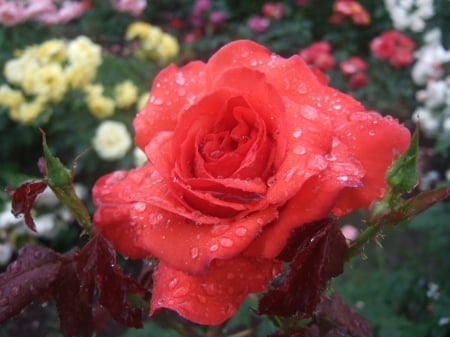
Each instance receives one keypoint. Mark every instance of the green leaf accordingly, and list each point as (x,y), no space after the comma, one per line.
(60,180)
(402,175)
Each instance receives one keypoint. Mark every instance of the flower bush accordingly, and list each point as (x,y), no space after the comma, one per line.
(272,142)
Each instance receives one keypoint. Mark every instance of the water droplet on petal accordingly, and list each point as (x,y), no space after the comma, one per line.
(299,149)
(260,221)
(302,88)
(241,231)
(201,298)
(209,288)
(179,292)
(330,157)
(372,133)
(213,247)
(309,112)
(180,80)
(173,283)
(219,229)
(226,242)
(140,206)
(271,180)
(342,178)
(297,133)
(195,251)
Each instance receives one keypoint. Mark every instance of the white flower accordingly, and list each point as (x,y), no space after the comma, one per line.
(7,219)
(45,226)
(139,157)
(112,140)
(6,251)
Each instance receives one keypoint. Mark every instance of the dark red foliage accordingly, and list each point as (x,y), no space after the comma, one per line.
(316,254)
(75,280)
(23,197)
(28,278)
(332,318)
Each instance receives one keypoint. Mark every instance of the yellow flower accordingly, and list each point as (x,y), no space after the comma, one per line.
(83,50)
(10,98)
(100,106)
(142,101)
(125,94)
(79,75)
(27,112)
(16,69)
(112,140)
(52,51)
(139,157)
(94,89)
(48,81)
(168,48)
(143,31)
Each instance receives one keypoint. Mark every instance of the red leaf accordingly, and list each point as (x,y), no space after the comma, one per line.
(29,277)
(341,319)
(74,303)
(316,251)
(23,198)
(97,263)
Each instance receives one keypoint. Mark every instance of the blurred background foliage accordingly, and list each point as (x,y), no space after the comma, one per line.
(403,288)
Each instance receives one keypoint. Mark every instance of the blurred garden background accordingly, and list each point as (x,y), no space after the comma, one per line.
(80,70)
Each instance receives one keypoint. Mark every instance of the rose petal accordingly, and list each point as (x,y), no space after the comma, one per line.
(212,298)
(173,88)
(315,201)
(138,214)
(374,141)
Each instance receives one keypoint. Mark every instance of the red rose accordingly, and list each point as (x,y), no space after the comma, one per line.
(241,150)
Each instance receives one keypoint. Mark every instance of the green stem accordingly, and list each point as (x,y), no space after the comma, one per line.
(356,246)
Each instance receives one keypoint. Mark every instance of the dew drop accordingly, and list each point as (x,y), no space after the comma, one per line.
(245,54)
(140,206)
(289,175)
(219,229)
(179,292)
(195,251)
(260,221)
(201,298)
(180,80)
(342,178)
(4,301)
(299,149)
(372,132)
(297,133)
(210,289)
(271,181)
(213,247)
(302,88)
(241,231)
(253,62)
(226,242)
(330,157)
(173,283)
(309,112)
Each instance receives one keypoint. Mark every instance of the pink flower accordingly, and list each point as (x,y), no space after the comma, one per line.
(352,65)
(318,54)
(349,8)
(217,18)
(273,10)
(133,7)
(69,10)
(258,24)
(12,13)
(357,80)
(39,7)
(350,232)
(393,46)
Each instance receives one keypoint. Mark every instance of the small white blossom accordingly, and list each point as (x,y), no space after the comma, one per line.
(6,251)
(112,140)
